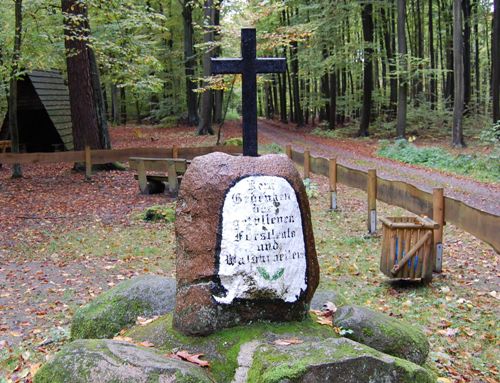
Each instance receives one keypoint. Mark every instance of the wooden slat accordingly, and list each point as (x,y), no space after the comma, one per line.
(41,158)
(55,98)
(47,80)
(63,120)
(52,92)
(158,164)
(49,85)
(49,74)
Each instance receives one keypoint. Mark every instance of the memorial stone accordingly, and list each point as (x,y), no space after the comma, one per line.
(245,246)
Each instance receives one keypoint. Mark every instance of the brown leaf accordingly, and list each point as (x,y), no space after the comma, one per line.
(193,358)
(324,321)
(287,342)
(146,344)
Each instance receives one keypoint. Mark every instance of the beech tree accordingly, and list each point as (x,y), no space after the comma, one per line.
(458,67)
(495,62)
(86,100)
(13,126)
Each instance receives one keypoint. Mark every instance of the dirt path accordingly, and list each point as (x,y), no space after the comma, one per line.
(359,155)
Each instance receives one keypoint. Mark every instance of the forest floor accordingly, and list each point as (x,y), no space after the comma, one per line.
(64,240)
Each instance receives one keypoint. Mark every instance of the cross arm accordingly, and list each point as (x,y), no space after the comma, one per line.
(271,65)
(227,66)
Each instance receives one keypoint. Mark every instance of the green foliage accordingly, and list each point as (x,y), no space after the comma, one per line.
(491,135)
(311,188)
(235,141)
(482,167)
(160,213)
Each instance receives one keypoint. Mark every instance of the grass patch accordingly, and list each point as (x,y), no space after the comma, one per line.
(481,167)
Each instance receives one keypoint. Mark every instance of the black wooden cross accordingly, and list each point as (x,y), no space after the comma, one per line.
(249,65)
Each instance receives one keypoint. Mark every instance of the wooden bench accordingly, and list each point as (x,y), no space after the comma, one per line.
(167,171)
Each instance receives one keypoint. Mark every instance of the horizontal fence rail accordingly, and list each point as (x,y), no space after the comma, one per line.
(481,224)
(113,155)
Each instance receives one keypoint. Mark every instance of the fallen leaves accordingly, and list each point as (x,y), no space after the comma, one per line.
(141,321)
(287,342)
(191,358)
(325,315)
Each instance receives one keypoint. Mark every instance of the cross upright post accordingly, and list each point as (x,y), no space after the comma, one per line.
(249,66)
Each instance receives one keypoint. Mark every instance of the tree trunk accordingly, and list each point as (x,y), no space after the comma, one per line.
(115,104)
(388,24)
(123,106)
(403,85)
(218,94)
(299,118)
(477,72)
(205,124)
(495,62)
(86,111)
(432,54)
(367,21)
(466,7)
(332,112)
(189,62)
(450,84)
(13,126)
(458,64)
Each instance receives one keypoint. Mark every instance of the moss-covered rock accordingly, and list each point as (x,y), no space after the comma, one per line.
(235,141)
(323,296)
(119,307)
(108,361)
(222,348)
(331,360)
(389,335)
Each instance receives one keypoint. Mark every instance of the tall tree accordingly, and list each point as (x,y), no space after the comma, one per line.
(13,127)
(432,54)
(403,84)
(495,61)
(458,65)
(206,105)
(189,61)
(86,100)
(367,21)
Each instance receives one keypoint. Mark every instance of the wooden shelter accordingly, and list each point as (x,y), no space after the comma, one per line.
(44,114)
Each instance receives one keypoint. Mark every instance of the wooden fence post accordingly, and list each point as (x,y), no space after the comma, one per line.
(372,201)
(288,150)
(438,217)
(333,183)
(88,163)
(175,151)
(307,164)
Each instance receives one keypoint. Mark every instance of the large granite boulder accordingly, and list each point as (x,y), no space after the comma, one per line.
(389,335)
(146,296)
(245,245)
(337,360)
(108,361)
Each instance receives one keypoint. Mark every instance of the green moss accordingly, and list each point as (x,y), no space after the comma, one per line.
(367,331)
(223,347)
(107,315)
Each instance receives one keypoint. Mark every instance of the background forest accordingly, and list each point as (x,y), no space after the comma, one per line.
(398,68)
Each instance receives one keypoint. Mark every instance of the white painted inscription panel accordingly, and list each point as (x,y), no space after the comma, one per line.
(262,248)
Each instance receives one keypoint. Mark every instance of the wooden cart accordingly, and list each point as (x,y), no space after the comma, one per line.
(408,247)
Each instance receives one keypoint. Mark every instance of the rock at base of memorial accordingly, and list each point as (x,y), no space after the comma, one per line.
(108,361)
(245,245)
(321,297)
(386,334)
(145,296)
(332,360)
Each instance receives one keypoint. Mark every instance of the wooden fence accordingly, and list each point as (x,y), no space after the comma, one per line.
(107,156)
(481,224)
